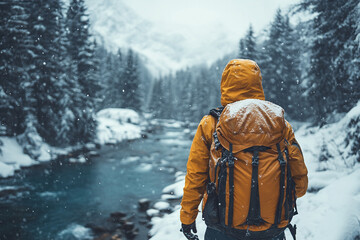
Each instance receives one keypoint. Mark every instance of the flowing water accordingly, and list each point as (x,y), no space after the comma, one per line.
(56,200)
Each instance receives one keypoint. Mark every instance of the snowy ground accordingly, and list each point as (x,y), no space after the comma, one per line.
(331,208)
(114,125)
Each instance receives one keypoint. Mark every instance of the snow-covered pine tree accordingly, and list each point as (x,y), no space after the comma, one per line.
(333,76)
(81,49)
(49,69)
(132,97)
(247,46)
(204,93)
(294,104)
(184,78)
(116,82)
(156,103)
(193,110)
(347,62)
(14,42)
(167,104)
(200,95)
(106,73)
(280,65)
(214,75)
(5,98)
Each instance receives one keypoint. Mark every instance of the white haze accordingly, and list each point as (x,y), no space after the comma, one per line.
(171,35)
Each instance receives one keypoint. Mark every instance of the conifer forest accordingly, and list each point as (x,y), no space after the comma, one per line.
(100,102)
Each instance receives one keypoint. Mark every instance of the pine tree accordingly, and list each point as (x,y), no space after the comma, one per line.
(247,45)
(332,78)
(281,75)
(13,64)
(167,97)
(116,82)
(5,91)
(48,71)
(82,52)
(107,71)
(183,107)
(156,102)
(131,95)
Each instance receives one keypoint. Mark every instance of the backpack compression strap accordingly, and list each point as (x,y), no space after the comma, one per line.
(254,217)
(282,185)
(231,164)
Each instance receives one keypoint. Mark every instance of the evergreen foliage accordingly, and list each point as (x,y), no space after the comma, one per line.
(280,66)
(334,73)
(188,94)
(81,50)
(48,73)
(157,98)
(247,46)
(131,97)
(14,44)
(114,73)
(52,74)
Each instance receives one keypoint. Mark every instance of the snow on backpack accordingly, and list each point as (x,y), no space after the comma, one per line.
(250,191)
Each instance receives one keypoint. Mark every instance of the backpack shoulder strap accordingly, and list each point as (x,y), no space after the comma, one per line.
(216,112)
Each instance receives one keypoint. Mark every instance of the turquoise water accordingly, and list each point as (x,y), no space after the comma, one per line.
(55,200)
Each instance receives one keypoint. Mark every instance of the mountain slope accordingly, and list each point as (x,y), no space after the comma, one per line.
(161,49)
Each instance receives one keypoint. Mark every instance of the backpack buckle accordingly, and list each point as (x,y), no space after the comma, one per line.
(216,141)
(255,158)
(231,161)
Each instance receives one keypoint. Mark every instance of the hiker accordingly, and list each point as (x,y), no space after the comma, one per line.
(244,164)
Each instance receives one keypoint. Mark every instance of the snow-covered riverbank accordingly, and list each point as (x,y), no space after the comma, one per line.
(114,125)
(118,124)
(331,208)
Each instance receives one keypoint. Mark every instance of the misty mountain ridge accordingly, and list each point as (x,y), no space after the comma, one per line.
(161,48)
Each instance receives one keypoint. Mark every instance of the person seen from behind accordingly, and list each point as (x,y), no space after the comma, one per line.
(245,164)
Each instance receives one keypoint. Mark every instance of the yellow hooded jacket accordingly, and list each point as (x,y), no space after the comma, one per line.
(241,79)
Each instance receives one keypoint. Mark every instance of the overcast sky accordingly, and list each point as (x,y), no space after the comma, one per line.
(232,15)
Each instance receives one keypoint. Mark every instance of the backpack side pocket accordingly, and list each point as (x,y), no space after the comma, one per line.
(211,209)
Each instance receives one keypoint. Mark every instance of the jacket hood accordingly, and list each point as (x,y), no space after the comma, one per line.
(241,79)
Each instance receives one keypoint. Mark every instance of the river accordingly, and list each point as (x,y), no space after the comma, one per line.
(56,200)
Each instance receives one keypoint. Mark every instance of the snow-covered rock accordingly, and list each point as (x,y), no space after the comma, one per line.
(117,124)
(12,157)
(162,206)
(6,170)
(123,115)
(75,231)
(79,159)
(152,212)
